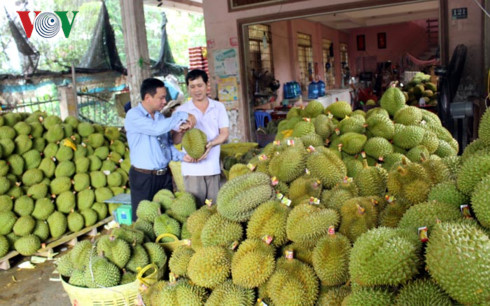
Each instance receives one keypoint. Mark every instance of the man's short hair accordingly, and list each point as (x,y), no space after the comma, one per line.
(195,74)
(149,86)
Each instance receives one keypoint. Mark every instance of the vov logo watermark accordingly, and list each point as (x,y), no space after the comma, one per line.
(47,24)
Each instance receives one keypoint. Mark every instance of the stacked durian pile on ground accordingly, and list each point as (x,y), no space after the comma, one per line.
(421,87)
(345,208)
(114,259)
(55,176)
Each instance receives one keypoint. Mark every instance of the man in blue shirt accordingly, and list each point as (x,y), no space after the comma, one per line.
(150,143)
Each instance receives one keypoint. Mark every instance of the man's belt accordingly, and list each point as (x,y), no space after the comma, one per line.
(152,172)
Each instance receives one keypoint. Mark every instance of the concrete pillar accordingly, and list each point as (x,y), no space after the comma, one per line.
(68,102)
(135,45)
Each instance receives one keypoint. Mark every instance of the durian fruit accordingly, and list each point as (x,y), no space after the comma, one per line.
(472,171)
(331,259)
(326,166)
(371,181)
(332,296)
(32,158)
(422,292)
(57,224)
(37,191)
(353,124)
(64,265)
(90,216)
(307,222)
(369,296)
(339,109)
(358,216)
(43,208)
(461,247)
(477,146)
(194,143)
(484,128)
(65,202)
(410,181)
(428,214)
(238,198)
(253,263)
(128,234)
(447,192)
(380,125)
(304,187)
(6,203)
(229,293)
(164,224)
(392,100)
(436,169)
(350,143)
(139,258)
(313,109)
(289,164)
(303,127)
(269,219)
(303,251)
(409,136)
(480,201)
(394,210)
(24,206)
(27,245)
(393,259)
(197,219)
(238,170)
(81,253)
(220,231)
(181,292)
(156,254)
(323,126)
(127,277)
(24,226)
(60,184)
(101,273)
(85,199)
(145,227)
(75,221)
(209,266)
(116,250)
(341,192)
(148,210)
(179,260)
(182,206)
(293,283)
(409,115)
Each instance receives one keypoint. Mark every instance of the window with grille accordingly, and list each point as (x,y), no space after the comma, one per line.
(259,45)
(305,60)
(328,63)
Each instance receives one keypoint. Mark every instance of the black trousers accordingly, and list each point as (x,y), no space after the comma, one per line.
(144,186)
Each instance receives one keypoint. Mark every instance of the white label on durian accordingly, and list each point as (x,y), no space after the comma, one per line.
(286,201)
(279,196)
(106,172)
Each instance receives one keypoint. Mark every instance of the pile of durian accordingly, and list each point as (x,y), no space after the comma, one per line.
(421,87)
(55,176)
(114,259)
(344,208)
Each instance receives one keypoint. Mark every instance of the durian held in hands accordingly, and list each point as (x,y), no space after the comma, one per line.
(194,143)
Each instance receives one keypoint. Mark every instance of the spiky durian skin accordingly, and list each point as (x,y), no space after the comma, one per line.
(101,272)
(332,296)
(326,166)
(484,128)
(393,260)
(335,197)
(409,115)
(230,294)
(392,100)
(458,259)
(307,222)
(293,283)
(27,245)
(253,263)
(156,253)
(480,201)
(410,181)
(221,231)
(302,128)
(358,215)
(179,260)
(182,292)
(304,187)
(378,147)
(472,171)
(422,292)
(302,251)
(323,126)
(331,259)
(371,181)
(197,219)
(238,198)
(428,214)
(182,206)
(339,109)
(381,126)
(289,164)
(269,218)
(352,143)
(313,109)
(408,136)
(209,266)
(369,297)
(194,142)
(393,212)
(447,192)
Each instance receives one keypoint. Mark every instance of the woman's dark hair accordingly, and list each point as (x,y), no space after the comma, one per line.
(195,74)
(149,86)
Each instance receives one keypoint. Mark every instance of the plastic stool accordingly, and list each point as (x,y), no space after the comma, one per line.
(260,118)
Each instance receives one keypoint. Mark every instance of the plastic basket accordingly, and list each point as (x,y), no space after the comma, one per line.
(123,295)
(171,246)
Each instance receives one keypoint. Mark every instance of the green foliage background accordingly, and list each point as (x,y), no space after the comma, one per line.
(184,30)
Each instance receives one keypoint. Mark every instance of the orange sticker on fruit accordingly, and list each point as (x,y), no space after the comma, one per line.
(422,231)
(286,201)
(331,230)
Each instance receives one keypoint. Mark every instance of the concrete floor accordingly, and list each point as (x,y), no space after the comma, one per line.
(31,286)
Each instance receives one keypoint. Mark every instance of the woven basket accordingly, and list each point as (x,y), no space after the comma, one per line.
(123,295)
(171,246)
